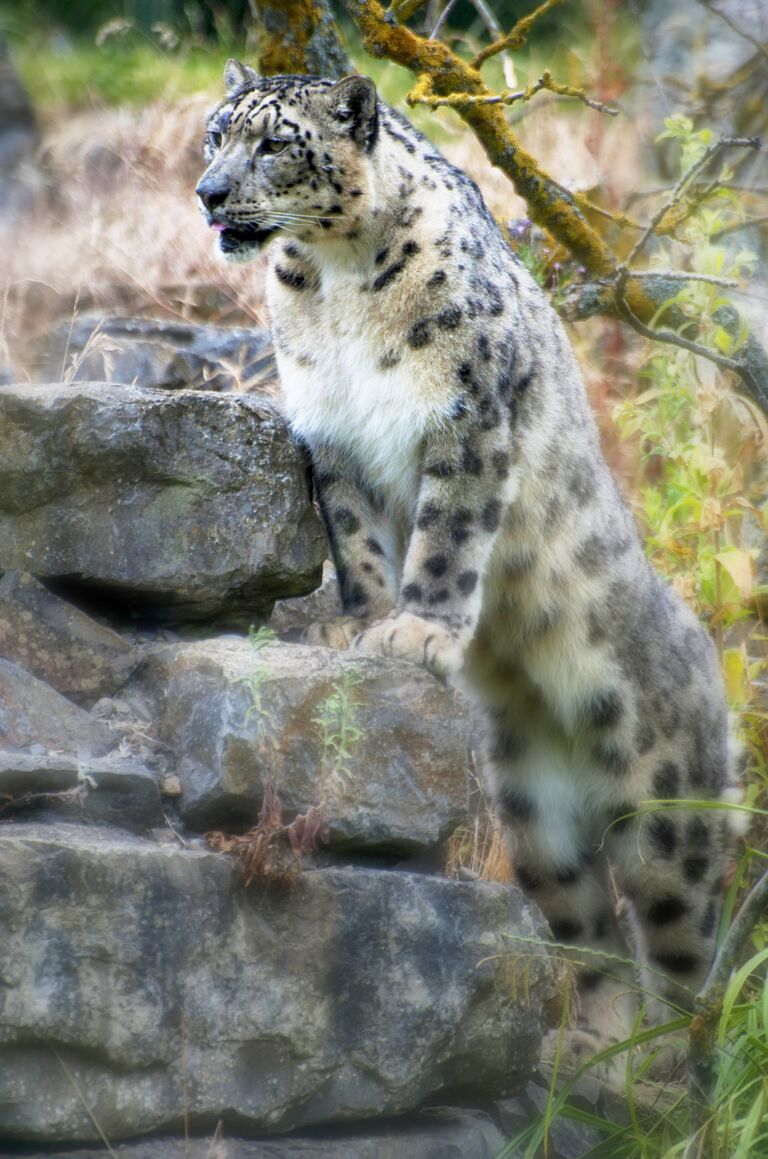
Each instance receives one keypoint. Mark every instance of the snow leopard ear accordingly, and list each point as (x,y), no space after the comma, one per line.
(353,103)
(237,75)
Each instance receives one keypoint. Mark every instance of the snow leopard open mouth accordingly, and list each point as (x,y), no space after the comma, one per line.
(233,238)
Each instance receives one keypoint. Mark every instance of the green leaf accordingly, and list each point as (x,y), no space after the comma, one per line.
(723,340)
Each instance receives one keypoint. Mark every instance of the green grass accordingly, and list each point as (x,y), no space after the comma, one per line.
(132,68)
(132,71)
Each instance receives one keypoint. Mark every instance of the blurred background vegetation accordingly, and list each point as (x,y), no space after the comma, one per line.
(130,51)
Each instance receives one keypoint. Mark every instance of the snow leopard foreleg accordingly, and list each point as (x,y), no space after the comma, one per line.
(461,505)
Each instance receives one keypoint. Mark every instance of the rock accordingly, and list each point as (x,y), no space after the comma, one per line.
(153,353)
(437,1134)
(188,504)
(34,717)
(240,717)
(131,720)
(153,980)
(8,373)
(290,617)
(103,791)
(58,643)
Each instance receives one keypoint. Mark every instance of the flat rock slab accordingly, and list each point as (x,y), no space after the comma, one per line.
(290,618)
(60,644)
(153,980)
(446,1134)
(189,503)
(35,718)
(238,717)
(106,790)
(149,352)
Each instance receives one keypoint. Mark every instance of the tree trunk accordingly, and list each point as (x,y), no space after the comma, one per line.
(299,36)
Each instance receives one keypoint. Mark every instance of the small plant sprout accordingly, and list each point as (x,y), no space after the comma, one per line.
(335,724)
(258,638)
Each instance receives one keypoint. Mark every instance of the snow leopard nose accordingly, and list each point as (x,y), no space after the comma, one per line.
(213,193)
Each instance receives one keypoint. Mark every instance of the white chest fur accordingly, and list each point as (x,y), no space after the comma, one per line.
(336,392)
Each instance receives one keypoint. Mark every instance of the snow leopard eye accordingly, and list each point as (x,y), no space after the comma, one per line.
(271,146)
(214,139)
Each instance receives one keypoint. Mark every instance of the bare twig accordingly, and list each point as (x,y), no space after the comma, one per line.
(76,1088)
(702,1059)
(442,19)
(624,311)
(761,48)
(616,218)
(686,276)
(216,1138)
(177,835)
(495,30)
(736,226)
(516,38)
(641,194)
(75,795)
(677,193)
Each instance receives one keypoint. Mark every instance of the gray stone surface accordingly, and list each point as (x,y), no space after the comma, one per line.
(439,1134)
(403,785)
(189,503)
(153,980)
(154,353)
(290,618)
(60,644)
(106,790)
(36,719)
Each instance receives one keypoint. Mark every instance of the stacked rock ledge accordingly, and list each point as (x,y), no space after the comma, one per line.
(403,785)
(146,988)
(152,976)
(149,352)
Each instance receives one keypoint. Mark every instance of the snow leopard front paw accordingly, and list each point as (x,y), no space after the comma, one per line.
(408,637)
(337,633)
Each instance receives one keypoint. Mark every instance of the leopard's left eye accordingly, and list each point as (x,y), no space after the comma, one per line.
(273,145)
(215,139)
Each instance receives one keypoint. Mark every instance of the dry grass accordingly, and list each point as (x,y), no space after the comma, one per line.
(114,225)
(479,850)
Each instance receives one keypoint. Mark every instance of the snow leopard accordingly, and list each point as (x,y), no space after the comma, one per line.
(475,525)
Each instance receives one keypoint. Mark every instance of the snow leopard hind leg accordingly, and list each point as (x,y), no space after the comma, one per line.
(575,802)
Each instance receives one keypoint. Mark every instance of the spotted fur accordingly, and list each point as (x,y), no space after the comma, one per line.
(474,522)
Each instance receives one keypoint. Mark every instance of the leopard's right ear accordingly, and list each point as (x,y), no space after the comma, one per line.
(237,75)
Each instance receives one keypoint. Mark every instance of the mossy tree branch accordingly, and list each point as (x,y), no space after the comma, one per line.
(442,73)
(517,37)
(463,100)
(445,78)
